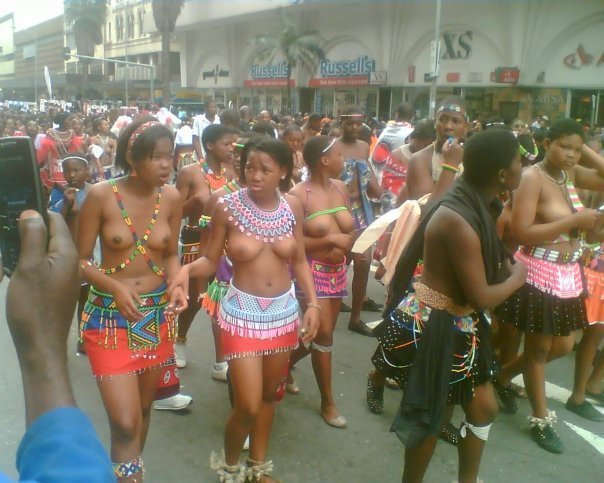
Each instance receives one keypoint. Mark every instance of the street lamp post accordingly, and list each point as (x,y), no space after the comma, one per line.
(435,62)
(151,67)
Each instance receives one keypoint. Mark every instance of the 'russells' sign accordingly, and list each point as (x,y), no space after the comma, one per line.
(362,65)
(269,71)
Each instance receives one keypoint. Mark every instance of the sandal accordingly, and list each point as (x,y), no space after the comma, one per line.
(450,434)
(227,473)
(375,396)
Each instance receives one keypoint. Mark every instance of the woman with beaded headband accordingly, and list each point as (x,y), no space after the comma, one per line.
(127,325)
(434,333)
(263,233)
(328,229)
(548,221)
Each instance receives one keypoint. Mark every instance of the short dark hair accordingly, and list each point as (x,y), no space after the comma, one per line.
(277,150)
(212,133)
(143,145)
(487,152)
(424,129)
(264,128)
(565,127)
(291,129)
(405,111)
(351,111)
(229,116)
(315,116)
(314,149)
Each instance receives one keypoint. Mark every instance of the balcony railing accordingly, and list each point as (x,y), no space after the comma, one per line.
(134,73)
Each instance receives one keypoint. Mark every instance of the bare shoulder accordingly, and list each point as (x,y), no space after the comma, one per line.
(189,173)
(99,191)
(530,179)
(295,204)
(453,227)
(170,193)
(297,191)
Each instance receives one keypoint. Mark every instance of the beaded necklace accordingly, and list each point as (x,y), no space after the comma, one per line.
(566,186)
(139,244)
(252,220)
(214,181)
(232,186)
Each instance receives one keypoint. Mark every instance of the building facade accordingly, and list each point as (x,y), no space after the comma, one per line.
(511,59)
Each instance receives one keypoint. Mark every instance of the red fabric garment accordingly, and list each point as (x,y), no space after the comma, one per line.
(49,155)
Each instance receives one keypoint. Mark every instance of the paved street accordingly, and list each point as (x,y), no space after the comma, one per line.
(304,448)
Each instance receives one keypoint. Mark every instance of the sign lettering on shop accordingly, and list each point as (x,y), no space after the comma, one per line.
(580,58)
(362,65)
(457,46)
(269,71)
(215,73)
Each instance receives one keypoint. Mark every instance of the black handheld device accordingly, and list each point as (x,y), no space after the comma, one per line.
(20,189)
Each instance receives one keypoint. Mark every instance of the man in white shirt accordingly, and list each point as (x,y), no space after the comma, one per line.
(201,122)
(183,146)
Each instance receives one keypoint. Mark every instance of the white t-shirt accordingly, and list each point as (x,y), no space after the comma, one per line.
(184,136)
(201,122)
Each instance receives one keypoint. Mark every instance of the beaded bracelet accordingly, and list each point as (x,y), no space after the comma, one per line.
(316,306)
(448,167)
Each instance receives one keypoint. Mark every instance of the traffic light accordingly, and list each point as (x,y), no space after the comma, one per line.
(67,53)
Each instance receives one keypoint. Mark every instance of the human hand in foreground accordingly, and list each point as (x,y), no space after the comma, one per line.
(40,304)
(310,324)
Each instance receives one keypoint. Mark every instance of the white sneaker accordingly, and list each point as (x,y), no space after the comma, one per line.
(180,354)
(177,402)
(246,443)
(219,373)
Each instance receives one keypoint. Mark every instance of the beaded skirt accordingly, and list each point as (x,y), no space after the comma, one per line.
(116,346)
(401,333)
(329,279)
(256,326)
(552,300)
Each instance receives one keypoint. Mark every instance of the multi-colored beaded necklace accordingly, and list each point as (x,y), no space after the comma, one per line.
(232,186)
(214,181)
(139,243)
(253,221)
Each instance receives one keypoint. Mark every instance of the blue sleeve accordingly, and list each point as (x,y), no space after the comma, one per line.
(56,200)
(62,446)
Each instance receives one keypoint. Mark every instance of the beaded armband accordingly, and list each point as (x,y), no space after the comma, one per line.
(205,221)
(448,167)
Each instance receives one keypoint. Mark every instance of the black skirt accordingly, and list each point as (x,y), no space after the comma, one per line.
(436,365)
(536,312)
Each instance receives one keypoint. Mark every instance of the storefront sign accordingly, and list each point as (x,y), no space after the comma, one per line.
(215,73)
(338,73)
(456,46)
(505,75)
(269,75)
(453,76)
(581,58)
(411,73)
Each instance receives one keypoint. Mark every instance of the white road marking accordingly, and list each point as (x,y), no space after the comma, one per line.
(593,439)
(562,394)
(557,393)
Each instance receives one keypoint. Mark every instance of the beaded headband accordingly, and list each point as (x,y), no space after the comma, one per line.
(530,156)
(79,158)
(329,146)
(452,108)
(139,130)
(351,115)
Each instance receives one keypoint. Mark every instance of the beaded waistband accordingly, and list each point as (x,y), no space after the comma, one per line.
(439,301)
(551,255)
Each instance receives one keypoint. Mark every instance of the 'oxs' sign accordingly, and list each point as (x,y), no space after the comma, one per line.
(362,65)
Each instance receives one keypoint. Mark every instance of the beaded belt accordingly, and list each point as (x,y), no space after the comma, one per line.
(439,301)
(551,255)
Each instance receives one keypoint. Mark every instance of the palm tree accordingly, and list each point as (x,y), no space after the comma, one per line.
(165,13)
(297,47)
(87,18)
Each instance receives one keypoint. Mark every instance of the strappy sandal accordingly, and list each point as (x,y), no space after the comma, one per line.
(227,473)
(375,396)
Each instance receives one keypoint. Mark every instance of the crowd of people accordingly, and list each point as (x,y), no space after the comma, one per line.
(255,220)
